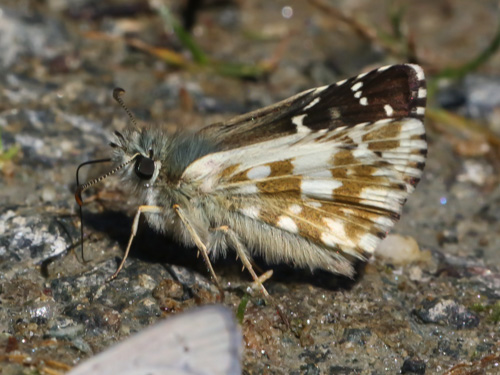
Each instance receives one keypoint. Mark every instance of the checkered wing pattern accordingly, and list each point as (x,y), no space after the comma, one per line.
(333,165)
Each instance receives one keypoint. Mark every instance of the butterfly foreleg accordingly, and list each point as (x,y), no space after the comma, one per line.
(135,225)
(199,244)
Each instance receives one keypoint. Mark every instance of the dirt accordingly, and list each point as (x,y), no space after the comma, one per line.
(59,62)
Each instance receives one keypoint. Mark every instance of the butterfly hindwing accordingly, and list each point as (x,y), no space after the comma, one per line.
(332,165)
(343,189)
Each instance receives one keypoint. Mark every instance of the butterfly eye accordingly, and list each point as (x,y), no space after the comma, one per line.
(144,167)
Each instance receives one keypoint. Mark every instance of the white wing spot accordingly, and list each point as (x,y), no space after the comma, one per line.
(411,126)
(328,240)
(384,222)
(262,171)
(420,111)
(320,188)
(383,121)
(297,121)
(357,86)
(374,193)
(418,70)
(422,93)
(388,110)
(252,212)
(368,242)
(311,161)
(340,83)
(317,90)
(383,68)
(358,94)
(313,103)
(314,204)
(286,223)
(337,236)
(295,209)
(247,189)
(334,225)
(363,101)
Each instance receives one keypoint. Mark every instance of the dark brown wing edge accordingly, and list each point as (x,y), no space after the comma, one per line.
(395,91)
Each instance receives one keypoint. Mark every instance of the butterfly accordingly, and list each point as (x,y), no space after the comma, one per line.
(205,341)
(315,181)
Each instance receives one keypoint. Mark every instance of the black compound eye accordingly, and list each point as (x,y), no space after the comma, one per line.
(144,167)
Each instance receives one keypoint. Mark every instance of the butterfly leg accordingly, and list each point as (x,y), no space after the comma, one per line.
(262,278)
(200,245)
(242,252)
(135,225)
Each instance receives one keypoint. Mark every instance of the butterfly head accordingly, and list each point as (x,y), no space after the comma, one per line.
(141,151)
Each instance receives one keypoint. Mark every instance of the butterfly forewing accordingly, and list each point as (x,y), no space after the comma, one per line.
(333,165)
(395,91)
(388,92)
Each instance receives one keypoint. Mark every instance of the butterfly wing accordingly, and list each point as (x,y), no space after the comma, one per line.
(203,341)
(343,189)
(332,165)
(394,91)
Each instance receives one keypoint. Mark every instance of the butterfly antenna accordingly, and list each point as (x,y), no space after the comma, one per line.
(117,95)
(81,188)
